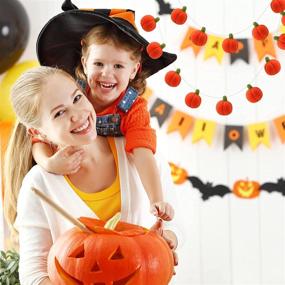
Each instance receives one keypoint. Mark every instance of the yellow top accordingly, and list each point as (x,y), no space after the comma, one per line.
(106,203)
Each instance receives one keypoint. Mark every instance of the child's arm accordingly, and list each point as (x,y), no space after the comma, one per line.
(148,171)
(65,161)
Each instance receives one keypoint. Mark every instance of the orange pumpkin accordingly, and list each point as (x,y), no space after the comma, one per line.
(272,66)
(154,50)
(193,99)
(230,45)
(148,22)
(246,189)
(199,38)
(179,175)
(130,255)
(173,78)
(224,107)
(179,16)
(260,32)
(253,94)
(277,6)
(280,41)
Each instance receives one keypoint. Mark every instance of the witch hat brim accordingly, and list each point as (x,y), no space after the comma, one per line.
(58,43)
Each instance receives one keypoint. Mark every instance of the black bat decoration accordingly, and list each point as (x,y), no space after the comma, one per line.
(207,189)
(274,187)
(164,8)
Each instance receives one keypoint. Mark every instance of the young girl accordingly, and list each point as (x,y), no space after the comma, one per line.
(49,103)
(104,49)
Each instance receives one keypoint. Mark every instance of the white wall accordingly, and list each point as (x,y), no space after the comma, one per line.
(226,240)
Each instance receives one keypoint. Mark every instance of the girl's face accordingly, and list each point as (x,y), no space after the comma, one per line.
(67,117)
(109,70)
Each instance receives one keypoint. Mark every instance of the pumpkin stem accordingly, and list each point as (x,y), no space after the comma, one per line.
(255,24)
(231,36)
(283,13)
(225,98)
(203,29)
(197,91)
(156,19)
(276,38)
(267,59)
(162,46)
(112,223)
(249,86)
(184,8)
(177,70)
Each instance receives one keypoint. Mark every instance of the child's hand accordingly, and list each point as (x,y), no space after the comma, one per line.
(65,161)
(162,210)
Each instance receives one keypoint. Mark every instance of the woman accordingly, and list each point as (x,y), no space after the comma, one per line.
(49,103)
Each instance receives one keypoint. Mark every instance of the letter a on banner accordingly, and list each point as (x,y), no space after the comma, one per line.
(160,109)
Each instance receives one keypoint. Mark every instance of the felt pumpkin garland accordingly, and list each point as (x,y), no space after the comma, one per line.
(272,66)
(253,94)
(277,6)
(193,99)
(230,45)
(260,32)
(224,107)
(173,78)
(179,16)
(148,22)
(154,50)
(199,37)
(280,41)
(128,254)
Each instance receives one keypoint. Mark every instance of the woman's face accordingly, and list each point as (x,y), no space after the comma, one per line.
(67,117)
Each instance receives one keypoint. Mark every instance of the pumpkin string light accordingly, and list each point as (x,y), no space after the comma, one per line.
(260,32)
(280,41)
(148,22)
(179,16)
(173,78)
(154,50)
(272,66)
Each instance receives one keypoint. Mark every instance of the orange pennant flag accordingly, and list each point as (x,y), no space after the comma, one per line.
(265,47)
(188,43)
(180,122)
(280,126)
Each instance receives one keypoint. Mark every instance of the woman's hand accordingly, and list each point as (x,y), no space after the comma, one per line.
(169,237)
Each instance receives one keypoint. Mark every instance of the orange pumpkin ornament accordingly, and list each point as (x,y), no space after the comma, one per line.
(193,99)
(154,50)
(148,22)
(179,175)
(230,45)
(283,18)
(179,16)
(129,255)
(224,107)
(173,78)
(280,41)
(246,189)
(277,6)
(253,94)
(199,38)
(272,66)
(260,32)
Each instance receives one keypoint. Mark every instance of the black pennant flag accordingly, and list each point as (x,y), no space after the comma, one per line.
(160,109)
(233,134)
(242,53)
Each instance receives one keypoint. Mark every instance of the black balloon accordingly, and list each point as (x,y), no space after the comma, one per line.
(14,32)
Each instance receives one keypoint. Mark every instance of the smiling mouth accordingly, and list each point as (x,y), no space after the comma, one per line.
(106,85)
(82,128)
